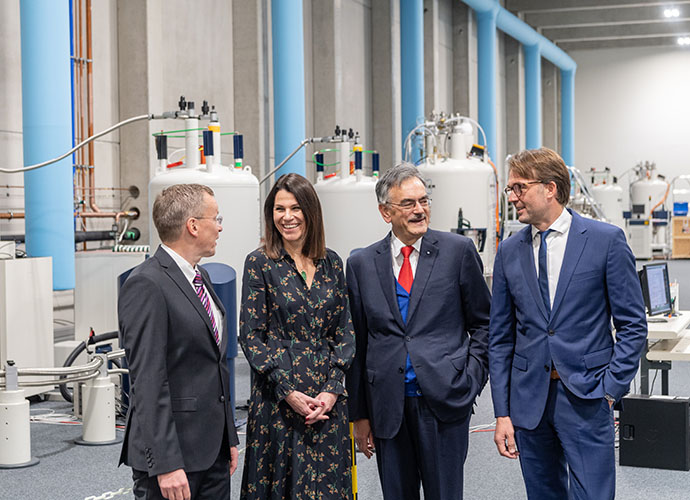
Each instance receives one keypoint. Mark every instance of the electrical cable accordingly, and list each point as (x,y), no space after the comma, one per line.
(168,132)
(78,146)
(651,389)
(94,339)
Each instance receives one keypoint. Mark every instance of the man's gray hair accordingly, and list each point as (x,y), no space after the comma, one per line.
(174,205)
(394,177)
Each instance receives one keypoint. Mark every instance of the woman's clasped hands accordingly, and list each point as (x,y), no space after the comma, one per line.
(312,409)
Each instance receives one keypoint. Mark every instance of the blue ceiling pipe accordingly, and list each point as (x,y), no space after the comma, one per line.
(486,73)
(533,120)
(47,133)
(411,64)
(289,126)
(535,45)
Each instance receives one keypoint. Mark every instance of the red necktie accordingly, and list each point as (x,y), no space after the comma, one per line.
(405,277)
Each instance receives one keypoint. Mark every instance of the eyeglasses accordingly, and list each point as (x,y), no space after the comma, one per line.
(217,218)
(424,202)
(519,188)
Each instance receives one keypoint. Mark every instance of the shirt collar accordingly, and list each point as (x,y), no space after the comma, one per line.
(397,245)
(561,225)
(186,268)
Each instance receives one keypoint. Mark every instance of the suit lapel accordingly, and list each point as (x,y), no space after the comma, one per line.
(427,257)
(529,270)
(384,268)
(176,275)
(573,250)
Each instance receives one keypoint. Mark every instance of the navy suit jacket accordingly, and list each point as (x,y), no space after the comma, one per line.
(597,282)
(446,334)
(180,392)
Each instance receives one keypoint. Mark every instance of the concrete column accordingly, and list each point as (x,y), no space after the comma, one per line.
(549,89)
(514,96)
(251,90)
(462,55)
(385,42)
(140,83)
(325,59)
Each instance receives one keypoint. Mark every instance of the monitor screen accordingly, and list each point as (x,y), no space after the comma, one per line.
(655,288)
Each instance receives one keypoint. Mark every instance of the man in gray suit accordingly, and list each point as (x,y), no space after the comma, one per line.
(180,439)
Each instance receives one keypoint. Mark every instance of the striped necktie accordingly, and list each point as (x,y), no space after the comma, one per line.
(206,302)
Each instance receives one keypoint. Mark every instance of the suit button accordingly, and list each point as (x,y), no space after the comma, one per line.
(222,399)
(400,370)
(407,339)
(551,332)
(547,368)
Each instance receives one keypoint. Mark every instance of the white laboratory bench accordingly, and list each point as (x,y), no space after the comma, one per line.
(671,343)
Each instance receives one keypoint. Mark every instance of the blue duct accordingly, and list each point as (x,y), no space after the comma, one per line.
(411,64)
(288,84)
(533,119)
(568,116)
(533,42)
(486,53)
(47,133)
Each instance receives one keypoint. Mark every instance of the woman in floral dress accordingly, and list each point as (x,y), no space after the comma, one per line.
(296,333)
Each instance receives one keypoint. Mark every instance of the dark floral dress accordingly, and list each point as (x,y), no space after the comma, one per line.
(295,338)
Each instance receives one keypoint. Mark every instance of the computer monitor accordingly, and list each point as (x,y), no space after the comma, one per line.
(655,288)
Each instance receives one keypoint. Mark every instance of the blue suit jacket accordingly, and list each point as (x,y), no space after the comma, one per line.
(597,282)
(446,334)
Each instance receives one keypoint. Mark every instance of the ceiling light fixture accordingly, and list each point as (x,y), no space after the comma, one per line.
(671,12)
(684,40)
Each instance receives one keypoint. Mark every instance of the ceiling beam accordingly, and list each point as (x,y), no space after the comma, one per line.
(621,43)
(617,31)
(595,17)
(552,6)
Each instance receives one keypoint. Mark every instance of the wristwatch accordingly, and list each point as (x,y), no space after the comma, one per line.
(610,398)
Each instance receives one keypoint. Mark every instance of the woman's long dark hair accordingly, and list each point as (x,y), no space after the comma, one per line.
(314,240)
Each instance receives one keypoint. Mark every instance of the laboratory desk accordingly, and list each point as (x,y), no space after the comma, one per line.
(666,341)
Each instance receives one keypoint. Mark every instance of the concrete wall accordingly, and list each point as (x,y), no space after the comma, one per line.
(632,105)
(147,54)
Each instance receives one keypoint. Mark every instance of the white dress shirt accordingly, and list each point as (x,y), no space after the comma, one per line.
(398,258)
(189,273)
(555,249)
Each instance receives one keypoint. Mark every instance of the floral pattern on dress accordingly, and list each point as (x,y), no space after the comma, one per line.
(295,338)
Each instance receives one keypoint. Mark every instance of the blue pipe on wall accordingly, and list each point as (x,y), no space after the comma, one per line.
(533,119)
(486,54)
(568,116)
(411,65)
(528,37)
(47,133)
(289,125)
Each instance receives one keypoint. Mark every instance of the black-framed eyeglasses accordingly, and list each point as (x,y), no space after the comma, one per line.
(217,218)
(424,202)
(519,188)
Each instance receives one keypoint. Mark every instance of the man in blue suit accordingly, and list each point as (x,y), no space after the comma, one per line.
(555,368)
(420,309)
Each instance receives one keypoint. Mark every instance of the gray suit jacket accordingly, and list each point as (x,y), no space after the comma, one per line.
(179,396)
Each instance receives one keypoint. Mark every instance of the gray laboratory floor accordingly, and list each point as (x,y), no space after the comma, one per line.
(70,472)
